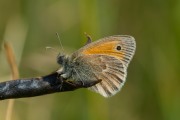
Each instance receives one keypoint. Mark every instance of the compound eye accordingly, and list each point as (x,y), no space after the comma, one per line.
(60,59)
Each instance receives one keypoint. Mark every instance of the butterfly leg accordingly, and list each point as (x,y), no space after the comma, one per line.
(61,80)
(61,76)
(87,84)
(81,84)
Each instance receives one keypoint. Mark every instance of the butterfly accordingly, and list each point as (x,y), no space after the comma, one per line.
(104,61)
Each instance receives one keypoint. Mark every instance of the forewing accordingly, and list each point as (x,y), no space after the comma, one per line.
(109,46)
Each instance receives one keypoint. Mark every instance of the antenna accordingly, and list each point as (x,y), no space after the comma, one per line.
(51,48)
(60,42)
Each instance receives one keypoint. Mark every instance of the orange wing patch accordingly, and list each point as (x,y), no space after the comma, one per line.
(106,48)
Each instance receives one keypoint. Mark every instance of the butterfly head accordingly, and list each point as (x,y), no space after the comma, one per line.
(65,69)
(62,59)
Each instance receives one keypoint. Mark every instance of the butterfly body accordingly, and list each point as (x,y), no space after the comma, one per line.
(105,60)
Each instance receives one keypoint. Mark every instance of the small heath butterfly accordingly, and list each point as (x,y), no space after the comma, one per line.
(105,60)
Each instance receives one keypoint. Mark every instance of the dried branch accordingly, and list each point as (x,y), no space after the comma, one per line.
(31,87)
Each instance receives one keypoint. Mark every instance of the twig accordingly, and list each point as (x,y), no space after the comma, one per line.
(31,87)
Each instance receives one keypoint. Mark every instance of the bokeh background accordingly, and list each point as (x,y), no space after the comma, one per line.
(152,90)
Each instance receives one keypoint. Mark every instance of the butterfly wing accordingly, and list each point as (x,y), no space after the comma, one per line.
(107,60)
(109,70)
(119,46)
(113,75)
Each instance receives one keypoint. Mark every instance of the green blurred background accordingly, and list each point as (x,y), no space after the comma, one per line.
(152,90)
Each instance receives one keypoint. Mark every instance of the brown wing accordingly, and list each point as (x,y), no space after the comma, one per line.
(120,46)
(113,75)
(109,69)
